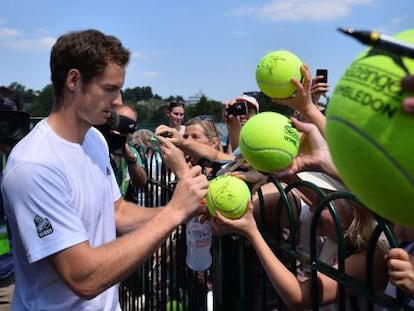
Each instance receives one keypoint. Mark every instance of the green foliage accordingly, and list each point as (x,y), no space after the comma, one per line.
(137,93)
(43,104)
(171,98)
(17,88)
(205,106)
(30,96)
(149,106)
(151,111)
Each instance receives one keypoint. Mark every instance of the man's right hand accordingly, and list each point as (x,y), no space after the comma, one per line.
(190,190)
(173,135)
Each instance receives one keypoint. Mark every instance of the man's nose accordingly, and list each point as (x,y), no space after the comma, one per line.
(118,100)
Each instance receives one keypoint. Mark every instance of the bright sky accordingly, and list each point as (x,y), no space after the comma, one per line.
(185,47)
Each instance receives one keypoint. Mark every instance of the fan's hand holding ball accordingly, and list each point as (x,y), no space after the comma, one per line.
(229,195)
(269,142)
(275,71)
(371,137)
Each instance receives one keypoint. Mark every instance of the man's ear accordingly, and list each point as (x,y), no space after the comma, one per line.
(73,79)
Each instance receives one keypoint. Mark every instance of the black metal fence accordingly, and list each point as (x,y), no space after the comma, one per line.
(236,280)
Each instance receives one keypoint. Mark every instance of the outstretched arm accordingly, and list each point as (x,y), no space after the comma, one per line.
(88,270)
(136,172)
(173,157)
(302,102)
(313,153)
(192,148)
(296,295)
(233,126)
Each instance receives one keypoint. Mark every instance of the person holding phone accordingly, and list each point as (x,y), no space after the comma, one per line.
(320,88)
(236,113)
(308,93)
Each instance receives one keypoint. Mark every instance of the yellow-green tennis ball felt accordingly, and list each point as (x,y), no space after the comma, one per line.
(275,71)
(174,305)
(370,137)
(269,142)
(229,195)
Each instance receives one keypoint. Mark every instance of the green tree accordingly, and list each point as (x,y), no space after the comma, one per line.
(43,104)
(137,93)
(205,106)
(151,113)
(17,88)
(144,113)
(29,96)
(159,116)
(150,107)
(177,97)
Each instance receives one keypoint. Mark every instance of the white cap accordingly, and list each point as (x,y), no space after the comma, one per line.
(322,181)
(250,100)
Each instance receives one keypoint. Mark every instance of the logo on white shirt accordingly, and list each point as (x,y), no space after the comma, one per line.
(43,226)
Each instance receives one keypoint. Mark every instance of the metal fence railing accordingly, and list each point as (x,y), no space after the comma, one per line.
(236,281)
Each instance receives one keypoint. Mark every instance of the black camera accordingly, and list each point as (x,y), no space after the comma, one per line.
(14,125)
(121,124)
(125,125)
(116,129)
(237,109)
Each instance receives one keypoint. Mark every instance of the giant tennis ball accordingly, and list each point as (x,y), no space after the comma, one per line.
(174,305)
(275,71)
(370,137)
(269,142)
(228,195)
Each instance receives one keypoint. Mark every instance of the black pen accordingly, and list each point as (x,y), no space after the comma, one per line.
(381,41)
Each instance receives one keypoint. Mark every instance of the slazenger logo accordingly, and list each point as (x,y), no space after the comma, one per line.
(43,226)
(372,86)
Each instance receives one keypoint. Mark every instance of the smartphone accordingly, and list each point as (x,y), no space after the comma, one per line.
(324,73)
(238,109)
